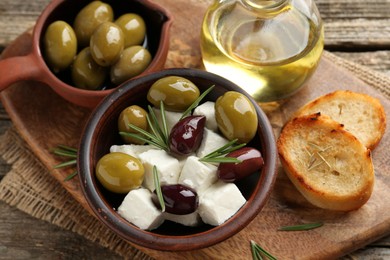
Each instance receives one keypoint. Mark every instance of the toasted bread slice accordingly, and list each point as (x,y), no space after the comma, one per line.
(361,114)
(327,164)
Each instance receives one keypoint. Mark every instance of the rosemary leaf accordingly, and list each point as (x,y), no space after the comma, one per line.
(312,160)
(323,158)
(313,166)
(164,122)
(70,176)
(217,156)
(153,128)
(158,188)
(67,148)
(220,150)
(317,147)
(65,153)
(65,164)
(220,159)
(153,142)
(139,130)
(158,132)
(258,252)
(233,148)
(301,227)
(196,102)
(256,255)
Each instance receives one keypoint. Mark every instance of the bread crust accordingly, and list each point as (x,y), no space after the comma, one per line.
(361,114)
(329,166)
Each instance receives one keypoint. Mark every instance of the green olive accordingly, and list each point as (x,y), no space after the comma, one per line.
(86,73)
(107,44)
(177,93)
(236,116)
(89,18)
(132,62)
(60,45)
(132,115)
(119,172)
(133,27)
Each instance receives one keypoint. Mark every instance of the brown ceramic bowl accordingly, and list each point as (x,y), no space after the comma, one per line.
(33,66)
(101,132)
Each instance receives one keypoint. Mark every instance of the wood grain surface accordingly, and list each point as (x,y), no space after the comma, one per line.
(337,14)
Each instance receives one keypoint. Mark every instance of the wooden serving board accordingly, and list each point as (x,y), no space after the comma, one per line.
(45,120)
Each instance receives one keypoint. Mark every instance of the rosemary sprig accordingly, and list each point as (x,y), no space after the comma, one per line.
(218,156)
(68,152)
(157,185)
(316,158)
(161,133)
(158,136)
(258,252)
(301,227)
(63,150)
(196,102)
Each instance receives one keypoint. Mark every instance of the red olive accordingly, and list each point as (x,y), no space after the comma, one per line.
(186,135)
(178,199)
(251,161)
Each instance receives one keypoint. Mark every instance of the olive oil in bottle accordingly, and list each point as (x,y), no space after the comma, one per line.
(268,48)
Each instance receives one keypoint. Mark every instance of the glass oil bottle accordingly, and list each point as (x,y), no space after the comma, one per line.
(269,48)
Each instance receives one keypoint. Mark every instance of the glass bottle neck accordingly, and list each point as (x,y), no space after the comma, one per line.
(265,4)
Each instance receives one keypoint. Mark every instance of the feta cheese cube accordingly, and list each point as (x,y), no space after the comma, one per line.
(211,141)
(220,202)
(168,168)
(198,175)
(171,118)
(132,149)
(190,220)
(207,109)
(183,160)
(138,209)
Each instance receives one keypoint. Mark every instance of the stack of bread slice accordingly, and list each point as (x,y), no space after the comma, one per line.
(325,149)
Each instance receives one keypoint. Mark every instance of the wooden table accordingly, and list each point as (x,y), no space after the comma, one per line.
(356,30)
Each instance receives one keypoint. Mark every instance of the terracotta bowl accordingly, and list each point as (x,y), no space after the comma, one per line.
(101,132)
(33,66)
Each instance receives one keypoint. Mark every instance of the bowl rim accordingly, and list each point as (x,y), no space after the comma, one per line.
(156,241)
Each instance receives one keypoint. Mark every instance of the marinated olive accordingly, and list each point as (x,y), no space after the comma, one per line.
(186,135)
(133,27)
(132,115)
(89,18)
(60,45)
(251,162)
(107,44)
(236,116)
(132,62)
(177,93)
(178,199)
(119,172)
(86,73)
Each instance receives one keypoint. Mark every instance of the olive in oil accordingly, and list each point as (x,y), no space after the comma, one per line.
(269,52)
